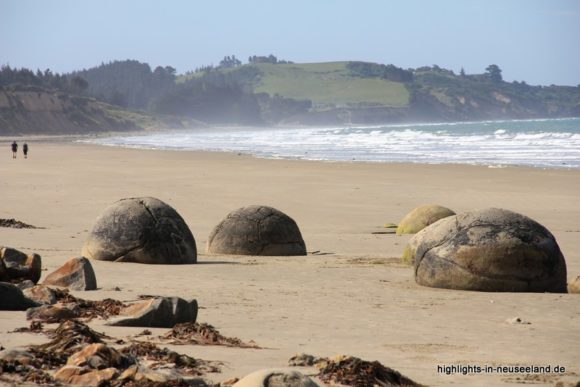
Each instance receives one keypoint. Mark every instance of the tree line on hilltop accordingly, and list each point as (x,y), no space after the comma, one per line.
(215,96)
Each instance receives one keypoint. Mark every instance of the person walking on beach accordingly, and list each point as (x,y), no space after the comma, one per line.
(14,149)
(25,150)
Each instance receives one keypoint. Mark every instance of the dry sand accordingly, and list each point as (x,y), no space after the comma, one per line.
(353,297)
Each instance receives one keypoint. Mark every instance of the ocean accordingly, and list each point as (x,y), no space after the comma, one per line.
(542,143)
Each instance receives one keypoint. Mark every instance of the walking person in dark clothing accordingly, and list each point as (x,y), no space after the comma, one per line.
(14,149)
(25,150)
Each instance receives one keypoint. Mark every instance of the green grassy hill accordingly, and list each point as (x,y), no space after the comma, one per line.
(328,85)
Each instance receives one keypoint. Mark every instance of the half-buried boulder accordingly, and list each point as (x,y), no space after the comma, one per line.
(76,274)
(142,230)
(276,378)
(158,312)
(490,250)
(256,230)
(422,217)
(11,298)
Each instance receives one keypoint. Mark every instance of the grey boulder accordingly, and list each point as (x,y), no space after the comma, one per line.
(159,312)
(256,230)
(276,378)
(489,250)
(142,230)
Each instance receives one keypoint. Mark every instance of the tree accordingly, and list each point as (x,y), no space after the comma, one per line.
(78,85)
(462,73)
(493,72)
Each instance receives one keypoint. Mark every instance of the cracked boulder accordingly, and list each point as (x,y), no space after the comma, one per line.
(422,217)
(76,274)
(256,230)
(16,266)
(490,250)
(142,230)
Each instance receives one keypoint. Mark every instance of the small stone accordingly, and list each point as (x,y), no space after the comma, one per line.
(517,320)
(574,286)
(303,360)
(76,274)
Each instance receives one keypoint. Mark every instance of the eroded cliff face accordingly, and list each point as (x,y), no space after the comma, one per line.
(38,111)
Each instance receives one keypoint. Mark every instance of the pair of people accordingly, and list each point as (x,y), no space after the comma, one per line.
(15,150)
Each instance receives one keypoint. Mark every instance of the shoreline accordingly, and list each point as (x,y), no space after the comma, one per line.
(352,297)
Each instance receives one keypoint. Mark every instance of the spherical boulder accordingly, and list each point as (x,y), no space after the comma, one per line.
(256,230)
(422,217)
(142,230)
(490,250)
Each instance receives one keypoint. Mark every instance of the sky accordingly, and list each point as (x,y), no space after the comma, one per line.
(537,41)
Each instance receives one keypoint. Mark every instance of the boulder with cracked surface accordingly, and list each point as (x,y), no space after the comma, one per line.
(141,230)
(256,230)
(489,250)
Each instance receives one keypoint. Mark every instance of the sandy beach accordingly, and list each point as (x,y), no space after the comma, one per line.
(350,295)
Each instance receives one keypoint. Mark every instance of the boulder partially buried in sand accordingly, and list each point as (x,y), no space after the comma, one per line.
(76,274)
(11,298)
(276,378)
(142,230)
(158,312)
(490,250)
(256,230)
(422,217)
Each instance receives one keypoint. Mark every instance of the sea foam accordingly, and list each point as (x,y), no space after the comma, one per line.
(539,143)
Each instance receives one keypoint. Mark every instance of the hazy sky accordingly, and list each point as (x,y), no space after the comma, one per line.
(533,40)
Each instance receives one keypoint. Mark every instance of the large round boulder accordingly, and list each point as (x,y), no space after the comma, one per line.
(142,230)
(256,230)
(490,250)
(422,217)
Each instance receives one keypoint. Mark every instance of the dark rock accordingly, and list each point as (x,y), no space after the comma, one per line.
(142,230)
(12,298)
(53,313)
(422,217)
(76,274)
(256,230)
(41,294)
(18,267)
(160,312)
(490,250)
